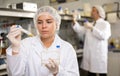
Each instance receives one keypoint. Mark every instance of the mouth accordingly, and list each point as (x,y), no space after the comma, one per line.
(44,32)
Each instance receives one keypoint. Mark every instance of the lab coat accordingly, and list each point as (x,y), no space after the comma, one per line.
(28,61)
(95,54)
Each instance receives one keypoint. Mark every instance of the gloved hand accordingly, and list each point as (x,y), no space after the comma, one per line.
(88,25)
(15,37)
(52,66)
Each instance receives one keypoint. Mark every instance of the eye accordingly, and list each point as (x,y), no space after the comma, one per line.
(49,21)
(39,22)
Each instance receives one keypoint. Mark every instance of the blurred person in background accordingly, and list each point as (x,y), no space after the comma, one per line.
(24,56)
(95,53)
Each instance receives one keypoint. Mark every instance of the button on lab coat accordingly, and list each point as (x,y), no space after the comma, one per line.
(95,46)
(28,61)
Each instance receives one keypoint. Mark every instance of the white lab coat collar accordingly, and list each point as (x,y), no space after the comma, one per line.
(57,41)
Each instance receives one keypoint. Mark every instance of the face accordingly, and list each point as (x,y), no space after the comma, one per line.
(46,26)
(94,13)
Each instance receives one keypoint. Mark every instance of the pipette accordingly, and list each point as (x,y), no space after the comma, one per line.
(25,31)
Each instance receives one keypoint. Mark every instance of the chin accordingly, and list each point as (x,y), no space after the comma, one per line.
(44,36)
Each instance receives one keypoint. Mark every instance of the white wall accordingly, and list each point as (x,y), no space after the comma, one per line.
(115,29)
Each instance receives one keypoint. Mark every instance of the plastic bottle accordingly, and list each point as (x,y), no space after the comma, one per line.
(60,10)
(66,11)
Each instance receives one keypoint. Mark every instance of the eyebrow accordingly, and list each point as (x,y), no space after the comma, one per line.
(46,19)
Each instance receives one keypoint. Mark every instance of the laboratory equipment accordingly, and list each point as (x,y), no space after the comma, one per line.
(25,31)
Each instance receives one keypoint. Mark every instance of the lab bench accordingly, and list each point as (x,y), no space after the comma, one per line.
(114,62)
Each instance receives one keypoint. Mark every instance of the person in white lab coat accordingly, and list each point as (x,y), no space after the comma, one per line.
(28,57)
(95,52)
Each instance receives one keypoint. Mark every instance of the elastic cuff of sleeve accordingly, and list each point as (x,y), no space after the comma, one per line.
(15,51)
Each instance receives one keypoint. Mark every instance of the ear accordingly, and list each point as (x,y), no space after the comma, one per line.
(56,26)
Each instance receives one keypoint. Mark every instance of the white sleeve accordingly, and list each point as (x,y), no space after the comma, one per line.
(104,32)
(80,30)
(71,65)
(16,63)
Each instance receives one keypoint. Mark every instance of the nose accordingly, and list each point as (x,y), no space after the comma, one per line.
(44,25)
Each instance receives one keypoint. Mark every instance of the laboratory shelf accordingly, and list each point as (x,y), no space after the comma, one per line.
(16,13)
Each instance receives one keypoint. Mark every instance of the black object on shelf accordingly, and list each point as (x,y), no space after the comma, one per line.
(61,1)
(2,61)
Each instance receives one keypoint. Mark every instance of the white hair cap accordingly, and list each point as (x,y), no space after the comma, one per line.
(48,9)
(100,10)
